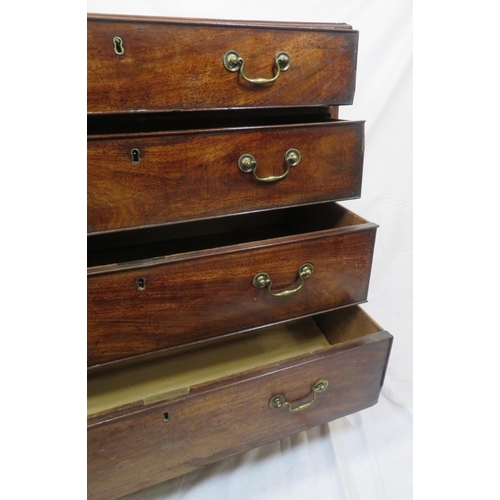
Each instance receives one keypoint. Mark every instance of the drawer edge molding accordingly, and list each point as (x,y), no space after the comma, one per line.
(221,22)
(222,130)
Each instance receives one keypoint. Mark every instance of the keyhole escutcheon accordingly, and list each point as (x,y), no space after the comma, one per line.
(140,284)
(118,45)
(135,154)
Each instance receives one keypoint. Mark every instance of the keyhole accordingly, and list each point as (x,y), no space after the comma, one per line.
(135,155)
(118,45)
(140,283)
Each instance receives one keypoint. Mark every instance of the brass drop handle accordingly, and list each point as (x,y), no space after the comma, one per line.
(263,280)
(234,62)
(247,164)
(279,401)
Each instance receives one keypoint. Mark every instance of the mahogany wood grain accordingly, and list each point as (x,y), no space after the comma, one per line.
(138,449)
(194,175)
(194,297)
(171,64)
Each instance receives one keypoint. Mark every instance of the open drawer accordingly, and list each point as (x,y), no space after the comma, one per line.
(170,286)
(154,418)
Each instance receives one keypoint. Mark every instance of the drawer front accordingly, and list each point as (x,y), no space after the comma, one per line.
(133,452)
(212,295)
(168,65)
(189,176)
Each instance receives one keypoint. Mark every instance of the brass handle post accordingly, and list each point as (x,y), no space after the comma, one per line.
(234,62)
(263,280)
(279,401)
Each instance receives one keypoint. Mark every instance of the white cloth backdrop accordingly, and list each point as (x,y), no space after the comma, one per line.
(368,455)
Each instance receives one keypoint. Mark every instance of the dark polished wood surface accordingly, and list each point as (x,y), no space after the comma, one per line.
(217,420)
(195,175)
(173,65)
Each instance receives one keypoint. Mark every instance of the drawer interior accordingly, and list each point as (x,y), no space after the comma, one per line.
(166,375)
(148,243)
(140,123)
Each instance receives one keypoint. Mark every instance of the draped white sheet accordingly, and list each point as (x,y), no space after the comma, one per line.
(368,455)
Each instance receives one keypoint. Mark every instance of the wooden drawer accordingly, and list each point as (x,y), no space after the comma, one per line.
(195,174)
(177,64)
(190,408)
(190,282)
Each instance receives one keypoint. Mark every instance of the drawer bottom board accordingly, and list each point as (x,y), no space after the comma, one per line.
(220,405)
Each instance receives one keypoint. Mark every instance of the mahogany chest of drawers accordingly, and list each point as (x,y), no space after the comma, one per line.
(223,278)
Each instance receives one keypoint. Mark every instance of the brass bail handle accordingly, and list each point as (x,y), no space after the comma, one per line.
(279,401)
(234,62)
(263,280)
(247,164)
